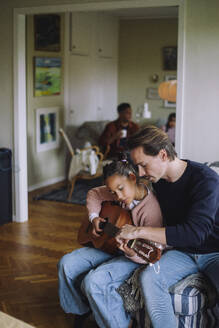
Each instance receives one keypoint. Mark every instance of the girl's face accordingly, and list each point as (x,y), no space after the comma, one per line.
(172,123)
(123,187)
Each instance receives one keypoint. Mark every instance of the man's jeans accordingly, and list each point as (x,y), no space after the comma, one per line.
(88,279)
(174,266)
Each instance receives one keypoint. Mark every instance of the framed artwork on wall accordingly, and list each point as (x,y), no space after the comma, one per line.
(170,58)
(47,125)
(169,104)
(47,32)
(152,93)
(47,76)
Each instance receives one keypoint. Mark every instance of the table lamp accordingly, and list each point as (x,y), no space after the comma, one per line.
(167,90)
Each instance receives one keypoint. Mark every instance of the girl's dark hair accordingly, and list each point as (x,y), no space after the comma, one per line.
(123,167)
(171,117)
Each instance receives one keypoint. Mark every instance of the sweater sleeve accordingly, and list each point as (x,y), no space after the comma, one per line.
(95,197)
(107,134)
(136,259)
(200,220)
(146,213)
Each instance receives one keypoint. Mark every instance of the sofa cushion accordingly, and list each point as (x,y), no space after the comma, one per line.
(91,131)
(192,294)
(189,301)
(214,166)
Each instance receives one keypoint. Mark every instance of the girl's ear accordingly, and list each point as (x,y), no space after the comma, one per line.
(132,176)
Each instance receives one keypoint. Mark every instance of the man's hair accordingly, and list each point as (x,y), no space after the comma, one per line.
(123,106)
(152,139)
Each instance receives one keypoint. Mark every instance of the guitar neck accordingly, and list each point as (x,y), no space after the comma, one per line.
(143,248)
(110,229)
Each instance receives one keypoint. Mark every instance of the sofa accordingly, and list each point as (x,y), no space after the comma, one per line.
(194,298)
(89,131)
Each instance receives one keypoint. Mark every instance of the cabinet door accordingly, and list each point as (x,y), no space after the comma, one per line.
(106,89)
(81,33)
(81,90)
(107,36)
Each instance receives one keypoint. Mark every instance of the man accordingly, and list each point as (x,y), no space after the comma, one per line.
(188,193)
(115,134)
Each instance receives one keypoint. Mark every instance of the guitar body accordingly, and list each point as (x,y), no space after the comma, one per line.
(116,215)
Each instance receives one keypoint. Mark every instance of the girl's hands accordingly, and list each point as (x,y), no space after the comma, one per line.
(96,230)
(127,250)
(122,243)
(126,233)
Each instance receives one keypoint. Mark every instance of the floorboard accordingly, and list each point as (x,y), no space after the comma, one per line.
(29,253)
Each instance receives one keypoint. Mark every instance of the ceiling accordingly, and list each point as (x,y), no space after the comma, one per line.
(140,13)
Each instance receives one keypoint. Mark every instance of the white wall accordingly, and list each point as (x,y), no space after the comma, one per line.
(201,111)
(47,166)
(6,82)
(141,45)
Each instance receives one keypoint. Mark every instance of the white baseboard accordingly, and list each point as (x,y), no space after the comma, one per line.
(46,183)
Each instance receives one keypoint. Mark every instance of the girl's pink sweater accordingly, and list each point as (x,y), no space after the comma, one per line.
(146,213)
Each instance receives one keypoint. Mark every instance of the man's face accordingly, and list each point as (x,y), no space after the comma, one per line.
(126,115)
(152,167)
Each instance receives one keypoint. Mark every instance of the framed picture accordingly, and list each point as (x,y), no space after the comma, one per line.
(152,93)
(47,125)
(167,103)
(47,32)
(170,58)
(47,79)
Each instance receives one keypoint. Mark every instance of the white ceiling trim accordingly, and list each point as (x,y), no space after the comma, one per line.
(98,6)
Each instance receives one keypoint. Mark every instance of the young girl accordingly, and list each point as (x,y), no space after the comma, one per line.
(89,277)
(170,127)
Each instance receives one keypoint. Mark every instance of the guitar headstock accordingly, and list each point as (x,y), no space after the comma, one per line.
(146,249)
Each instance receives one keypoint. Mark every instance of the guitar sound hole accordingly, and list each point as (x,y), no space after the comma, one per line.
(102,224)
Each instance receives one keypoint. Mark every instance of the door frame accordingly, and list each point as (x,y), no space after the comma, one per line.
(19,57)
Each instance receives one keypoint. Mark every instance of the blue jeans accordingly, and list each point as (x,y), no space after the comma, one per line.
(88,279)
(174,266)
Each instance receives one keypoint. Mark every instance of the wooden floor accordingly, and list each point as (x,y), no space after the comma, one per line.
(29,253)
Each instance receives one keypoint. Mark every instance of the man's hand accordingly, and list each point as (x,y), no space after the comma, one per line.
(127,232)
(96,230)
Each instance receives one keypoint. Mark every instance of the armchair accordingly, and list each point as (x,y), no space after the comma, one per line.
(86,164)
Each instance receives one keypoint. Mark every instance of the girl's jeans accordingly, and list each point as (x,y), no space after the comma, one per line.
(174,266)
(88,279)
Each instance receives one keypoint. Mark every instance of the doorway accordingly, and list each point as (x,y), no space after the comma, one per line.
(21,204)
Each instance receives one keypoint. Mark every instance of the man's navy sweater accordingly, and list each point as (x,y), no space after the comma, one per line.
(190,208)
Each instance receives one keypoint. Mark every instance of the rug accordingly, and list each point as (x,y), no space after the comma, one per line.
(7,321)
(79,194)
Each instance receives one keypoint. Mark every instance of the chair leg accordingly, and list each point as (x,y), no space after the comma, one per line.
(72,187)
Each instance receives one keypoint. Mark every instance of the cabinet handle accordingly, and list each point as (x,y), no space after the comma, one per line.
(100,50)
(73,47)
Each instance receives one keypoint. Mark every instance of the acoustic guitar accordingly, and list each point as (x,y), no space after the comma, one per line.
(115,217)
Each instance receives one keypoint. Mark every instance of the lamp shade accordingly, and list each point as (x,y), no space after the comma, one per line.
(167,90)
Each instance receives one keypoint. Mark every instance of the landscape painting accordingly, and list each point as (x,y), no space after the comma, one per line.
(47,76)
